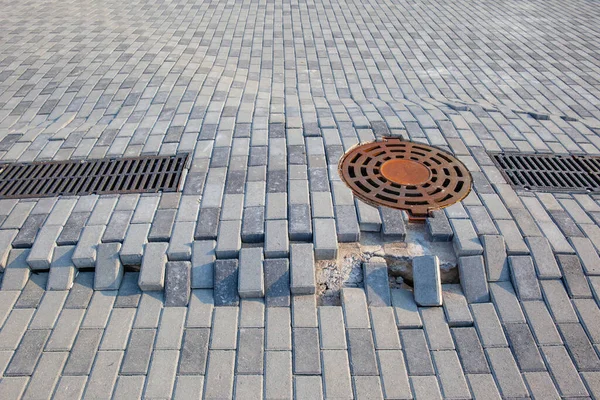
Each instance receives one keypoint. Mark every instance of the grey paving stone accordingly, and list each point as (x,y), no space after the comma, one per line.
(367,387)
(177,284)
(252,313)
(6,238)
(129,387)
(473,279)
(452,379)
(276,239)
(331,328)
(324,238)
(129,292)
(104,375)
(65,330)
(145,209)
(14,328)
(308,387)
(488,325)
(188,387)
(203,260)
(466,242)
(28,353)
(152,272)
(17,216)
(109,270)
(376,283)
(219,377)
(278,329)
(362,352)
(34,290)
(208,223)
(565,223)
(368,217)
(438,227)
(579,347)
(226,282)
(321,205)
(162,225)
(278,375)
(355,308)
(558,301)
(427,281)
(540,385)
(118,329)
(393,374)
(482,220)
(170,329)
(200,309)
(17,272)
(405,308)
(592,380)
(73,227)
(81,292)
(506,372)
(40,255)
(347,226)
(13,386)
(589,314)
(117,227)
(250,273)
(161,377)
(248,386)
(229,241)
(483,387)
(83,353)
(134,244)
(102,211)
(470,351)
(29,231)
(277,282)
(436,329)
(455,306)
(302,274)
(541,323)
(99,309)
(70,387)
(194,351)
(416,351)
(250,352)
(494,252)
(300,227)
(253,225)
(139,350)
(543,258)
(149,310)
(180,245)
(224,328)
(507,304)
(524,278)
(7,300)
(48,310)
(573,276)
(524,347)
(304,311)
(392,224)
(385,332)
(336,375)
(425,387)
(307,360)
(563,372)
(85,252)
(588,255)
(62,271)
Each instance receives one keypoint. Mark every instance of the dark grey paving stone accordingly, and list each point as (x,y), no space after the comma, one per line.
(318,180)
(307,352)
(83,353)
(81,292)
(33,291)
(524,347)
(575,280)
(438,227)
(28,353)
(162,225)
(250,353)
(177,283)
(579,347)
(470,351)
(524,278)
(361,348)
(418,359)
(139,350)
(226,283)
(277,181)
(29,231)
(300,223)
(392,224)
(277,282)
(194,351)
(72,229)
(208,223)
(129,292)
(253,225)
(348,229)
(566,224)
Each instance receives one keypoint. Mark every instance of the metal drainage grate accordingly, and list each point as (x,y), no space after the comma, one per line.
(62,178)
(409,176)
(549,172)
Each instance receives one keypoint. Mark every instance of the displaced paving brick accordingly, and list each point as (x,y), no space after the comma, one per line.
(40,255)
(72,229)
(203,260)
(253,225)
(427,280)
(139,350)
(438,228)
(208,224)
(494,252)
(129,292)
(573,276)
(34,290)
(368,217)
(117,227)
(81,292)
(466,242)
(455,306)
(62,271)
(250,273)
(29,231)
(17,272)
(162,225)
(85,252)
(507,304)
(83,352)
(152,272)
(109,270)
(226,282)
(134,244)
(302,272)
(277,282)
(392,224)
(300,227)
(405,308)
(376,283)
(543,257)
(177,284)
(180,245)
(524,278)
(229,241)
(473,279)
(415,349)
(324,238)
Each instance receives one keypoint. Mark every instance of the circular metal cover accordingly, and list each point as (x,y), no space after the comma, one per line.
(404,175)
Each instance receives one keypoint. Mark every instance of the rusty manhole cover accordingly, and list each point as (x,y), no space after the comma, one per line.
(408,176)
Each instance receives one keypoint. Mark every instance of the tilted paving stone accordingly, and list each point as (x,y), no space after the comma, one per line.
(455,305)
(574,277)
(524,347)
(152,271)
(162,225)
(45,377)
(180,245)
(427,280)
(66,329)
(276,239)
(369,219)
(29,231)
(436,329)
(208,223)
(438,227)
(325,238)
(278,375)
(579,347)
(81,292)
(139,350)
(250,353)
(278,330)
(470,351)
(302,270)
(85,252)
(466,242)
(496,263)
(229,242)
(83,353)
(405,308)
(558,301)
(512,237)
(354,305)
(48,310)
(109,270)
(506,302)
(300,227)
(541,323)
(73,227)
(277,282)
(482,221)
(483,386)
(117,227)
(62,270)
(347,226)
(203,259)
(524,279)
(376,283)
(14,328)
(118,329)
(17,272)
(40,256)
(304,311)
(506,372)
(306,351)
(129,292)
(544,260)
(540,385)
(563,372)
(250,273)
(452,378)
(392,224)
(34,290)
(134,245)
(418,359)
(473,279)
(488,325)
(336,375)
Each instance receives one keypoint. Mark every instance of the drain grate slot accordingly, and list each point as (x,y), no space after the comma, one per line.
(148,174)
(549,172)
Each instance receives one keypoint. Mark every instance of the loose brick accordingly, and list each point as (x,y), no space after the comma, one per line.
(427,281)
(16,272)
(85,252)
(473,279)
(405,308)
(41,253)
(494,252)
(203,260)
(109,270)
(62,270)
(355,308)
(543,257)
(503,296)
(229,240)
(277,282)
(466,242)
(134,244)
(152,272)
(250,273)
(524,278)
(376,283)
(302,272)
(324,238)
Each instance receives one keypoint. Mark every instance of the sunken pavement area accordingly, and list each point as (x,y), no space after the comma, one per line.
(215,291)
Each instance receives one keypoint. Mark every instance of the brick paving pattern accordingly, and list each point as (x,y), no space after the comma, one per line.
(211,292)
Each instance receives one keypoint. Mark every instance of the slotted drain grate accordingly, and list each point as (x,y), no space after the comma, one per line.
(409,176)
(549,172)
(105,176)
